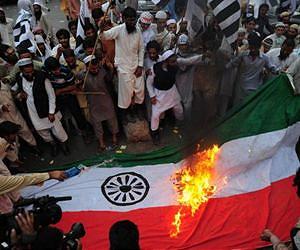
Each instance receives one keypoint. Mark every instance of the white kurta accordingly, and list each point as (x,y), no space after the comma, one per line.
(165,99)
(5,30)
(281,64)
(129,48)
(39,123)
(148,35)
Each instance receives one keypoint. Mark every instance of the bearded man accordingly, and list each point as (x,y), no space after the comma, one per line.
(129,60)
(5,28)
(40,19)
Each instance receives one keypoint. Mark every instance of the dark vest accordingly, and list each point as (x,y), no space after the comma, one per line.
(40,96)
(163,80)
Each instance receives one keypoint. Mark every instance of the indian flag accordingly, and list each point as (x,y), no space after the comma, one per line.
(257,156)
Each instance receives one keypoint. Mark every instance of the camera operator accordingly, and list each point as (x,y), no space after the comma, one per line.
(45,238)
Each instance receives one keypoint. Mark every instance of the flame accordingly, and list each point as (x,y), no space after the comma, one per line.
(176,223)
(193,184)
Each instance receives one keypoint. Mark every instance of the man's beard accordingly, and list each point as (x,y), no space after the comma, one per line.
(130,29)
(288,36)
(28,78)
(38,15)
(12,59)
(3,19)
(282,56)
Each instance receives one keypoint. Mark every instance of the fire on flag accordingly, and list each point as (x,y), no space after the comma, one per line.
(193,184)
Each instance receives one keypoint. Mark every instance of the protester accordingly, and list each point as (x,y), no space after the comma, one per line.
(267,44)
(283,57)
(13,72)
(5,28)
(187,63)
(17,182)
(278,37)
(253,64)
(163,36)
(40,19)
(43,50)
(63,37)
(72,26)
(36,92)
(63,83)
(163,92)
(250,25)
(263,26)
(172,26)
(146,27)
(101,107)
(129,61)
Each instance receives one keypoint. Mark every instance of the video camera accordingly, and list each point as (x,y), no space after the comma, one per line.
(77,231)
(45,210)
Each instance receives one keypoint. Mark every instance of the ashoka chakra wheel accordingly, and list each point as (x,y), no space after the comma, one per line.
(125,189)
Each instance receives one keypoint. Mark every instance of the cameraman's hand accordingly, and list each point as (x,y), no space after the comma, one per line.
(26,223)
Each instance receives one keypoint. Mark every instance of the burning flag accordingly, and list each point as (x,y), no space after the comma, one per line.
(256,154)
(194,184)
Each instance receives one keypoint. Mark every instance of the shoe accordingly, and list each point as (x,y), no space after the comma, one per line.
(54,149)
(155,137)
(65,148)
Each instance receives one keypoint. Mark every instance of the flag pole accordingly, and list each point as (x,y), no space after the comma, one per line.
(95,46)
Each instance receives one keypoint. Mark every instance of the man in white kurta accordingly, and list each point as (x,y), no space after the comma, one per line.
(146,27)
(5,28)
(43,125)
(283,57)
(129,59)
(163,92)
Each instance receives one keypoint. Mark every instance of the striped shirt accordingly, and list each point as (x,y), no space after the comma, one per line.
(64,79)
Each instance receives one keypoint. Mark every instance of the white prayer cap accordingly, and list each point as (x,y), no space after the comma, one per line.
(146,17)
(39,39)
(161,15)
(183,39)
(24,62)
(242,30)
(37,2)
(167,54)
(280,24)
(88,59)
(1,9)
(171,21)
(24,5)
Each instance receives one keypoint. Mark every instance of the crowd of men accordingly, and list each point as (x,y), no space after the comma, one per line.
(128,68)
